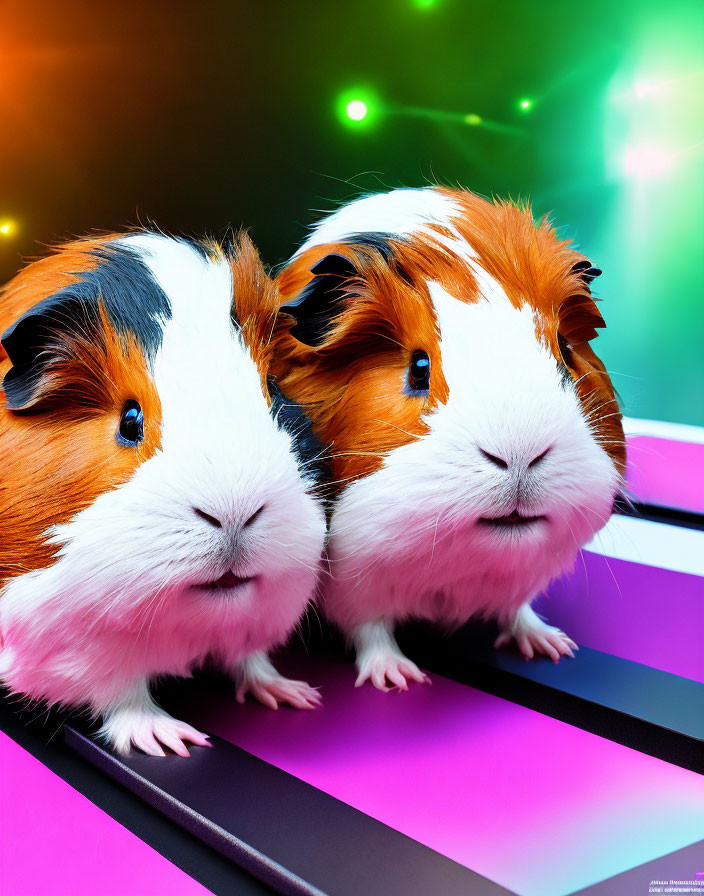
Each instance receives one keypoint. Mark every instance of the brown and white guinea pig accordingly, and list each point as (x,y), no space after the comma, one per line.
(441,345)
(156,502)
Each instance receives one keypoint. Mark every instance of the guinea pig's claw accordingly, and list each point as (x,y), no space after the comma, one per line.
(150,732)
(390,671)
(533,636)
(271,692)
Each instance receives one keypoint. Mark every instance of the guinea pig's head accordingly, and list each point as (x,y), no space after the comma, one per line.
(144,462)
(442,344)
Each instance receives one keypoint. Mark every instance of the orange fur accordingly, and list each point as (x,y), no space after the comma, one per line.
(256,304)
(46,276)
(352,384)
(56,460)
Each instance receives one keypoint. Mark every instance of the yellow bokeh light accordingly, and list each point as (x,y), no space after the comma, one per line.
(7,228)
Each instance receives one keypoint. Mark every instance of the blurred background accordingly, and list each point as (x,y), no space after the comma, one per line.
(199,115)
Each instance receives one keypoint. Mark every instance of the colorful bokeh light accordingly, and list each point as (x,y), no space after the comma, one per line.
(357,107)
(356,110)
(646,161)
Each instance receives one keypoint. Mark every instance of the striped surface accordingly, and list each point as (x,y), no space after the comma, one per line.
(501,789)
(55,842)
(666,463)
(637,592)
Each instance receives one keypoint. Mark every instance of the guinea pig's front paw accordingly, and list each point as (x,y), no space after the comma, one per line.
(272,691)
(256,675)
(388,670)
(532,636)
(150,731)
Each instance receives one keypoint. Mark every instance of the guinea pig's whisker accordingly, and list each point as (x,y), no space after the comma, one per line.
(584,376)
(645,449)
(356,454)
(393,425)
(552,549)
(435,535)
(389,339)
(591,410)
(612,574)
(155,603)
(628,376)
(580,552)
(291,557)
(592,414)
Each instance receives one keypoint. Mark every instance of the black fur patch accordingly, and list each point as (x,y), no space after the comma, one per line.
(373,240)
(202,248)
(315,307)
(27,342)
(311,453)
(230,242)
(134,303)
(380,242)
(320,301)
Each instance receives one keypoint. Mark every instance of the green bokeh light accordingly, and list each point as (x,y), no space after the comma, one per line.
(356,110)
(525,105)
(357,107)
(424,4)
(473,119)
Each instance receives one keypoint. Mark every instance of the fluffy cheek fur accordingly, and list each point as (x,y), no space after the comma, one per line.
(117,604)
(408,539)
(429,557)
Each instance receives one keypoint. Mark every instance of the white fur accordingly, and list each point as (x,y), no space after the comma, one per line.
(118,608)
(400,212)
(406,540)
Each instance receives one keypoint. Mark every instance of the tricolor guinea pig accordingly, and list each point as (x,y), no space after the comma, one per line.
(157,503)
(441,344)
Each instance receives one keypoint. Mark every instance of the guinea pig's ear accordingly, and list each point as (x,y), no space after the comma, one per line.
(586,271)
(316,306)
(33,345)
(579,317)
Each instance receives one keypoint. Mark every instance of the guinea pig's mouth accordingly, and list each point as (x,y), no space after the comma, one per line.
(227,582)
(513,520)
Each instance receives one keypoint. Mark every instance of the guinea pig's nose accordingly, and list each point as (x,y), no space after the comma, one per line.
(536,460)
(253,517)
(493,459)
(504,465)
(214,521)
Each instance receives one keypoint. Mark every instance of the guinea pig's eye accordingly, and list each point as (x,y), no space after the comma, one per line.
(419,371)
(131,429)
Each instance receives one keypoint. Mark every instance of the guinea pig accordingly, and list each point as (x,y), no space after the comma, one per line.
(441,344)
(158,504)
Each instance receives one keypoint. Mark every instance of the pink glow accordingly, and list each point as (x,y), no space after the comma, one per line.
(55,842)
(665,472)
(646,161)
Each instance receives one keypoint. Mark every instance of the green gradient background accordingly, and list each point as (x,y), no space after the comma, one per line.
(200,115)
